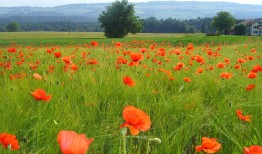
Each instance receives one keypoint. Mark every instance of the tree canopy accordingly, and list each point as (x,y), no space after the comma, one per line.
(119,19)
(223,21)
(12,27)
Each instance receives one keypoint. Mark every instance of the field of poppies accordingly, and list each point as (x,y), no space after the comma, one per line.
(131,96)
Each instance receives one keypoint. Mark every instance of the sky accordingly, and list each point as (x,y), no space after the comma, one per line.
(50,3)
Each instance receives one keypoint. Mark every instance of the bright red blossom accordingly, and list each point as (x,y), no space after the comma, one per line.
(9,140)
(209,145)
(129,81)
(242,117)
(254,149)
(72,143)
(136,120)
(40,94)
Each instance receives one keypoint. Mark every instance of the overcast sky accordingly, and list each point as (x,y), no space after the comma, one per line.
(49,3)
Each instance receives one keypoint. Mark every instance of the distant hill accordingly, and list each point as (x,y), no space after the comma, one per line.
(158,9)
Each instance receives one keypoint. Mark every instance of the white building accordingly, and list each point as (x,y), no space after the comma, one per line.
(253,27)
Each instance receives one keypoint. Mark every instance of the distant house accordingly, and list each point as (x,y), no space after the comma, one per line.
(253,27)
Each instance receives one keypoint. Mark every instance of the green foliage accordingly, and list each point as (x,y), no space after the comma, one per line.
(119,19)
(223,21)
(240,29)
(12,27)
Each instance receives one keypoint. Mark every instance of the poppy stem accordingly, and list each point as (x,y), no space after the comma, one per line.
(124,144)
(148,146)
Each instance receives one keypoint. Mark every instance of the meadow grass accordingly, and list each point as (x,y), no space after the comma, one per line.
(91,99)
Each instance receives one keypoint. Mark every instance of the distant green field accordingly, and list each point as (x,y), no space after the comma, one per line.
(74,38)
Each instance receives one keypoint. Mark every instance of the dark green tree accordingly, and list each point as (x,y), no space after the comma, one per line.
(223,21)
(12,27)
(240,29)
(119,19)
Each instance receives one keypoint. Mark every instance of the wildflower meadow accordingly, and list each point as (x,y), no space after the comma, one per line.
(138,95)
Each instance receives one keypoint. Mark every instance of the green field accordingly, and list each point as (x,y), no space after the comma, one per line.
(90,99)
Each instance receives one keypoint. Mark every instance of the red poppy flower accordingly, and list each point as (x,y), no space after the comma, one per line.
(94,43)
(9,140)
(221,65)
(118,44)
(40,94)
(226,75)
(37,76)
(250,87)
(72,143)
(254,149)
(57,54)
(209,145)
(129,81)
(252,75)
(136,120)
(187,79)
(242,117)
(136,56)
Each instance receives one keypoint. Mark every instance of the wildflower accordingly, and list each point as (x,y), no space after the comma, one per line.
(187,79)
(209,145)
(9,140)
(57,54)
(72,143)
(37,76)
(129,81)
(250,87)
(136,120)
(40,94)
(242,117)
(254,149)
(252,75)
(226,75)
(94,43)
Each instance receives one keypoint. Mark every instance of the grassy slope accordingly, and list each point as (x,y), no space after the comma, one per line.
(92,102)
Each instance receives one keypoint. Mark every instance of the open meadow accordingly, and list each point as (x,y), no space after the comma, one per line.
(171,92)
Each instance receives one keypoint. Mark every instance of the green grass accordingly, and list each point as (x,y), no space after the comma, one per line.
(91,100)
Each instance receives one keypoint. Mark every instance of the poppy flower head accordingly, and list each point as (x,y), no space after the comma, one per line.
(37,76)
(94,43)
(40,94)
(129,81)
(242,117)
(57,54)
(226,75)
(136,56)
(187,79)
(252,75)
(209,145)
(72,143)
(9,140)
(254,149)
(250,87)
(136,120)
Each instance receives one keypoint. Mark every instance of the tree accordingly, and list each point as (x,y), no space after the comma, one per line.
(12,27)
(240,29)
(223,21)
(119,19)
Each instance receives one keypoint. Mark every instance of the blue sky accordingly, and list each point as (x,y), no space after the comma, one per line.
(49,3)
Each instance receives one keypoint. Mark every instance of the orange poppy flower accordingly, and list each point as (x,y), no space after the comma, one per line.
(254,149)
(187,79)
(9,140)
(129,81)
(136,120)
(40,94)
(136,56)
(221,65)
(57,54)
(37,76)
(118,44)
(252,75)
(242,117)
(226,75)
(250,87)
(94,43)
(67,59)
(209,145)
(199,70)
(72,143)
